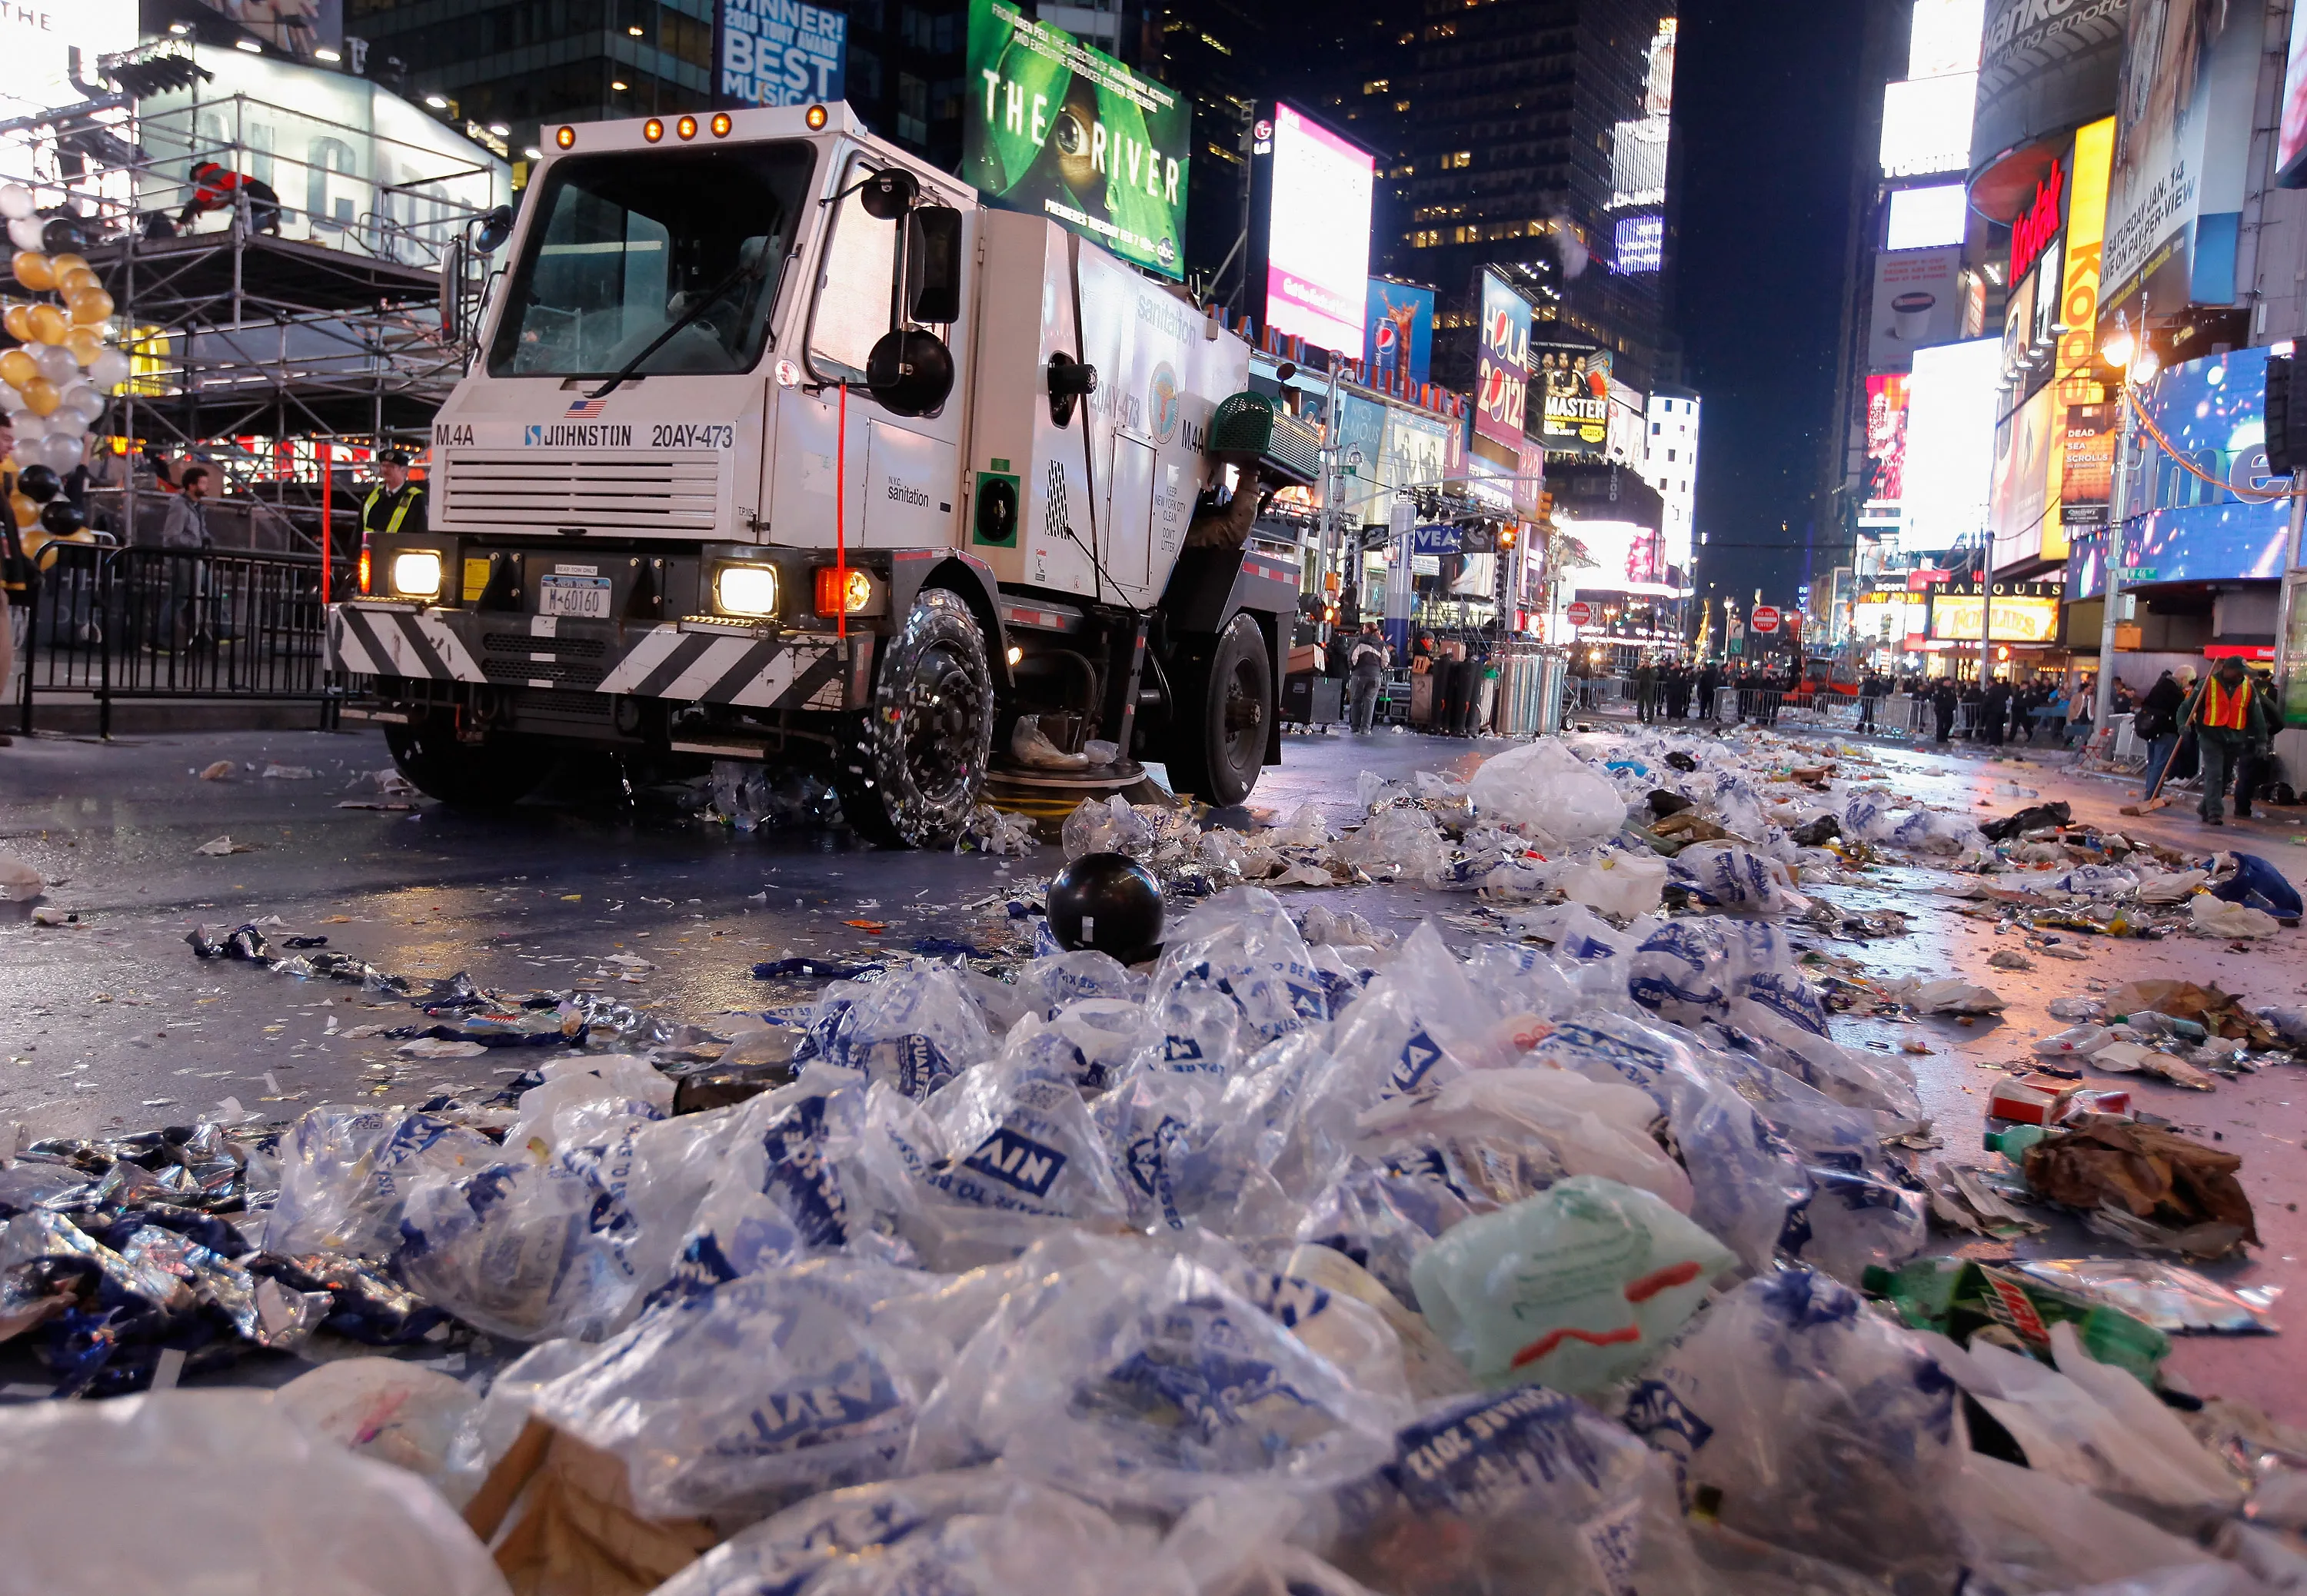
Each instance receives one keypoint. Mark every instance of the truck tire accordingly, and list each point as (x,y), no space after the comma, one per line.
(1225,709)
(912,765)
(495,774)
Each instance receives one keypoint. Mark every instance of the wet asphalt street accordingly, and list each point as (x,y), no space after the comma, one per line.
(112,1022)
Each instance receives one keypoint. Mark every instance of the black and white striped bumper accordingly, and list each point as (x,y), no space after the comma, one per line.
(683,663)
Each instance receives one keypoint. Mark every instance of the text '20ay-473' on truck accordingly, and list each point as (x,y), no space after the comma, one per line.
(776,445)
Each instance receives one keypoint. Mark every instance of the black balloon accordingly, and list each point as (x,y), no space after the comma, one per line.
(38,483)
(62,236)
(1108,901)
(60,519)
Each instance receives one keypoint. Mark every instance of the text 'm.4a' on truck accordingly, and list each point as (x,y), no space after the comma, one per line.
(778,446)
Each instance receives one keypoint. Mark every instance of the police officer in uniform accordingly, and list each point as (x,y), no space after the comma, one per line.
(395,504)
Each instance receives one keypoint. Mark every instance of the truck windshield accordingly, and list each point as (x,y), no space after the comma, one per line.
(626,242)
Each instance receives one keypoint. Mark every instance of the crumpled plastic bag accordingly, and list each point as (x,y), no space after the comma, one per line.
(513,1250)
(2247,878)
(393,1411)
(1626,885)
(1543,790)
(346,1172)
(1737,880)
(1112,826)
(913,1030)
(1396,845)
(1031,747)
(2089,1423)
(2212,916)
(1947,996)
(760,1390)
(1800,1419)
(1243,944)
(1126,1375)
(2095,880)
(2170,886)
(1585,1127)
(19,882)
(1574,1287)
(1525,1492)
(584,1095)
(223,1490)
(968,1532)
(1926,830)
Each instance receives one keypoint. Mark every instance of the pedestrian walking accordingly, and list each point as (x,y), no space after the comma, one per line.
(1944,701)
(1365,675)
(2257,766)
(2156,725)
(16,572)
(2226,719)
(185,543)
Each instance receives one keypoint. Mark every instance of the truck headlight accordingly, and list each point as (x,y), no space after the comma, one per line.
(416,574)
(745,590)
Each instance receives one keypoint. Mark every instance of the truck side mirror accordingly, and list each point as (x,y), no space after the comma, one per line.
(909,371)
(888,193)
(933,265)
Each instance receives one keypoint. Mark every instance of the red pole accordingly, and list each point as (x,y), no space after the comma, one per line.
(841,516)
(327,517)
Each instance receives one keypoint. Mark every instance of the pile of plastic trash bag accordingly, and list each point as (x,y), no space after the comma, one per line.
(1301,1259)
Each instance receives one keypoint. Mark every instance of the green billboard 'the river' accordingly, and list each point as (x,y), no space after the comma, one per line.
(1063,131)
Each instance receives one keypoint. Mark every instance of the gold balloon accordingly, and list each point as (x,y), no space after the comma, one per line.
(33,270)
(61,264)
(16,316)
(49,324)
(27,512)
(85,343)
(40,397)
(91,306)
(80,279)
(18,369)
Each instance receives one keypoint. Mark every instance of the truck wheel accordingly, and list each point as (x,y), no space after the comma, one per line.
(914,763)
(1225,704)
(489,775)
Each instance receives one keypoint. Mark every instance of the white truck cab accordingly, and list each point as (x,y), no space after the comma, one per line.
(779,445)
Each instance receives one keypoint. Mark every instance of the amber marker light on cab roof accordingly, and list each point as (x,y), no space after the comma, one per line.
(565,138)
(686,127)
(816,118)
(651,130)
(722,125)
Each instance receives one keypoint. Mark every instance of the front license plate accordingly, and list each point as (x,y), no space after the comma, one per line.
(584,596)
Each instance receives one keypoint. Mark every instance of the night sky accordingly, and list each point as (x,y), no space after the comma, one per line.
(1766,98)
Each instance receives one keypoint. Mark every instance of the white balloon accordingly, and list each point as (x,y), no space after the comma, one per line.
(60,454)
(25,233)
(56,363)
(77,396)
(15,201)
(10,400)
(108,369)
(30,426)
(91,409)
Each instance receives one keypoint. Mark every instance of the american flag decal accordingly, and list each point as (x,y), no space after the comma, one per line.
(586,409)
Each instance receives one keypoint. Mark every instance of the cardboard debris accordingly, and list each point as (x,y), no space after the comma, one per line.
(2143,1170)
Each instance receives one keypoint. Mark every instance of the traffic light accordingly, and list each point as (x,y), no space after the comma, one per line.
(1506,535)
(1546,509)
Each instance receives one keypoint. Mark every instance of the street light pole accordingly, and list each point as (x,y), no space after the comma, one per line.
(2111,563)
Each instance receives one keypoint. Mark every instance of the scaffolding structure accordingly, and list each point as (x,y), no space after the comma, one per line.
(287,343)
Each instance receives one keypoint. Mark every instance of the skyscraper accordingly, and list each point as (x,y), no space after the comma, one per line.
(1530,135)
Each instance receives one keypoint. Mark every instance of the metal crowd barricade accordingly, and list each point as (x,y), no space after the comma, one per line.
(113,624)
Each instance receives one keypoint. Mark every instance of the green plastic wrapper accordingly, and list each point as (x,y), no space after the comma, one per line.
(1960,1297)
(1573,1288)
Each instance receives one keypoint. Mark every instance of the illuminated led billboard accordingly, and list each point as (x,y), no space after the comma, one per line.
(1317,233)
(1927,218)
